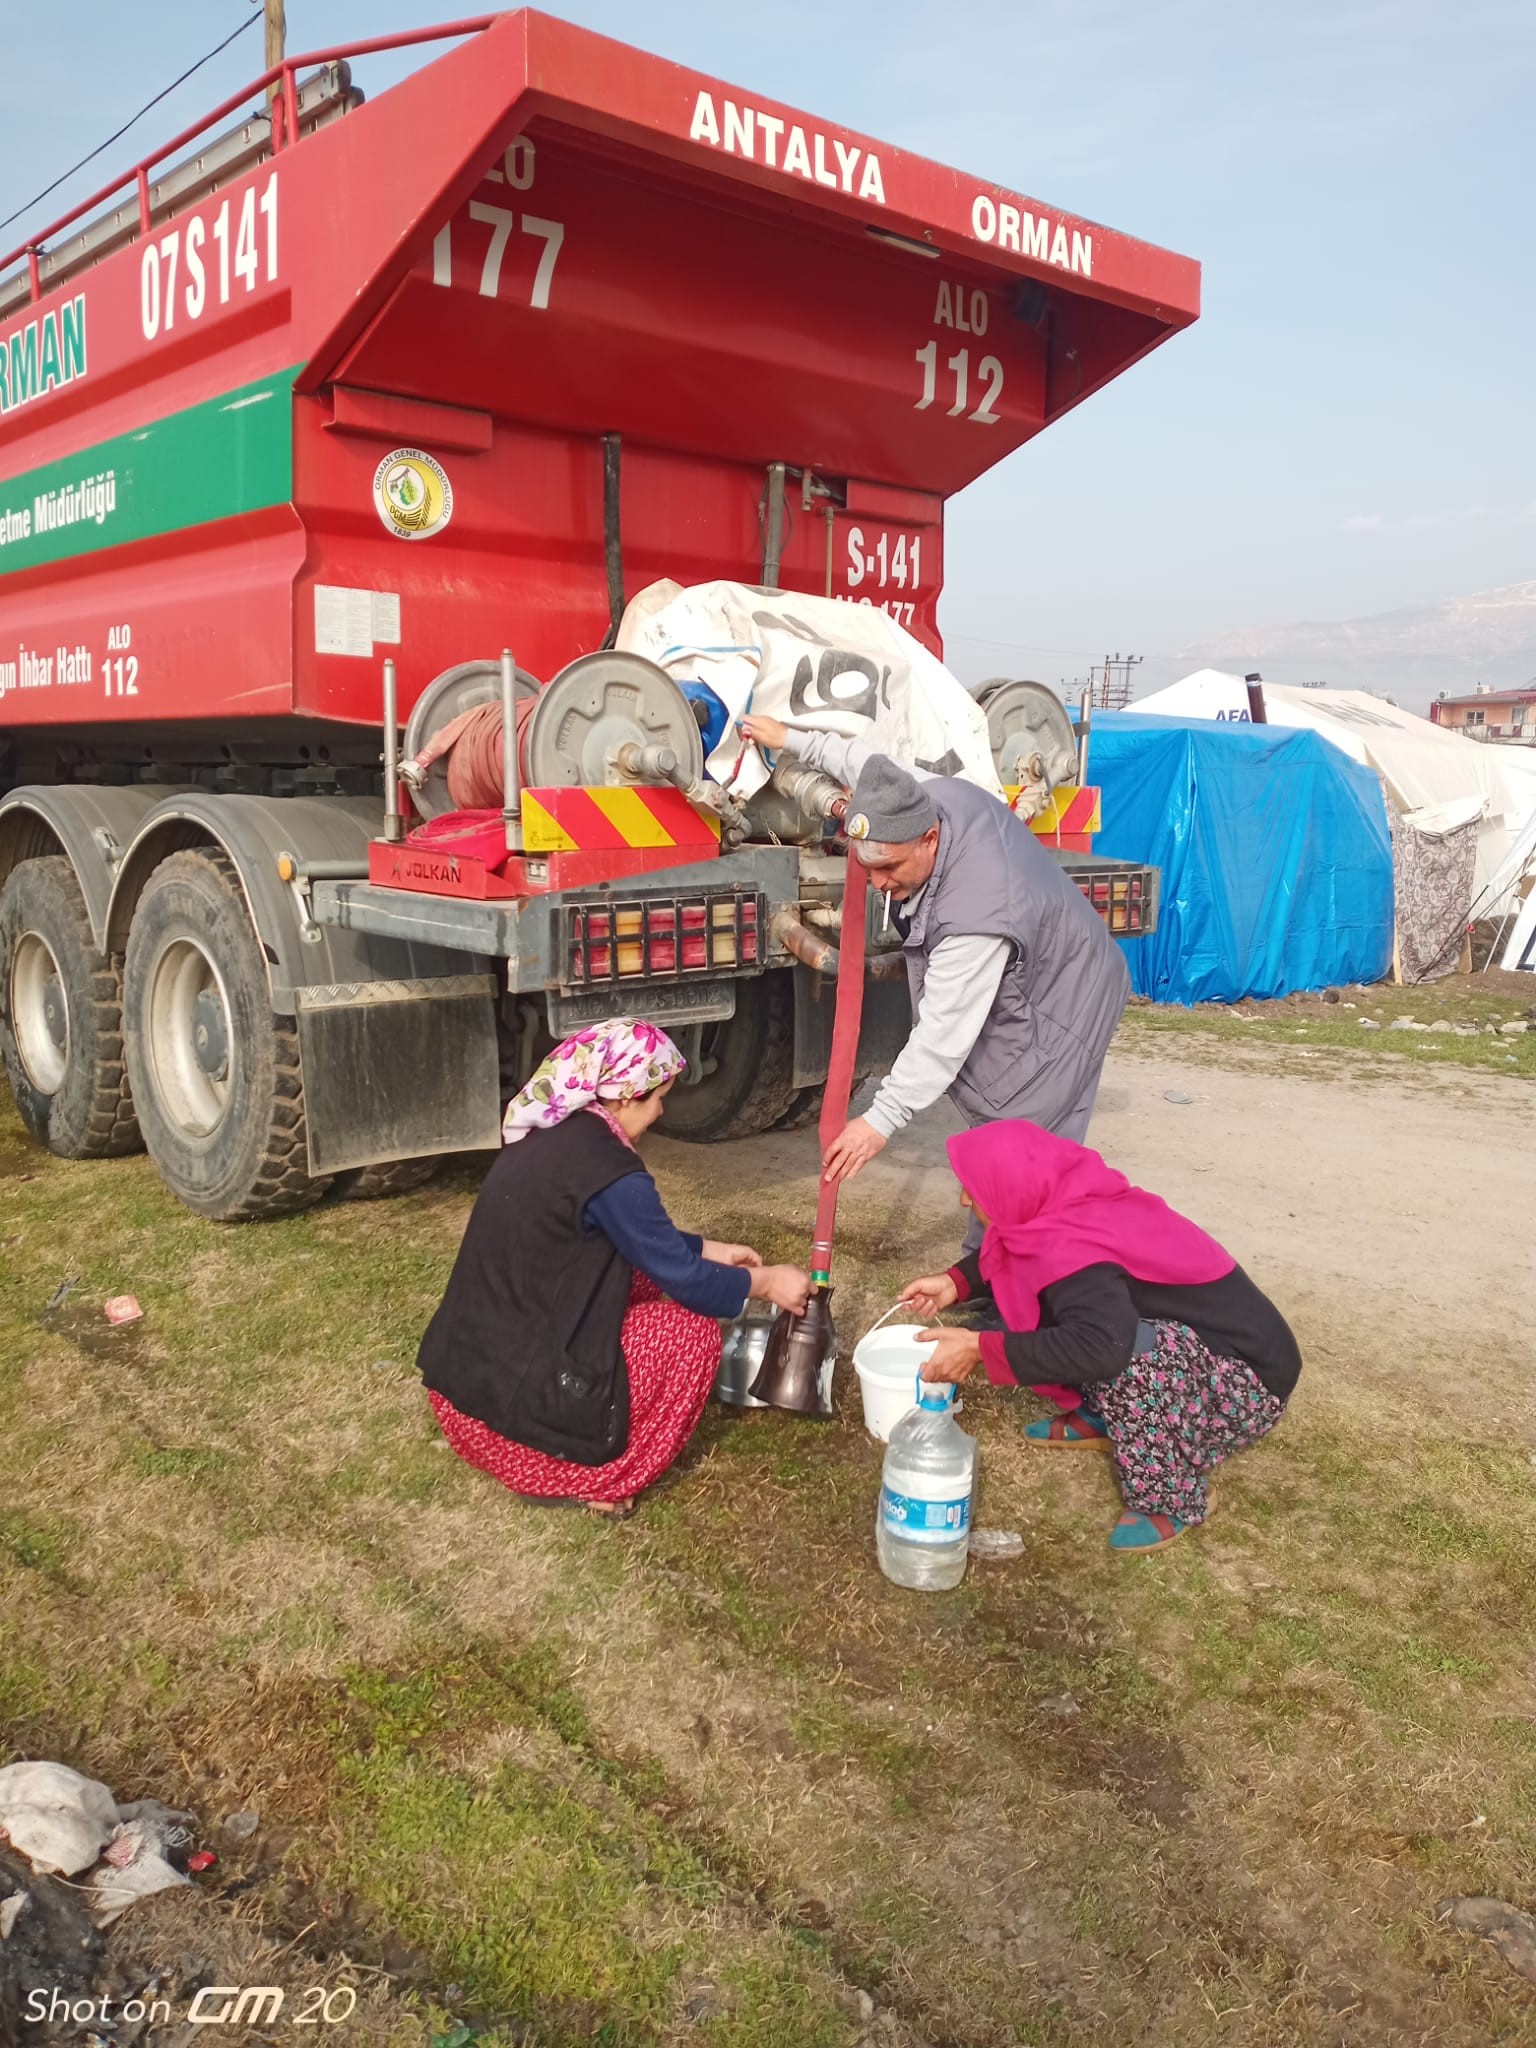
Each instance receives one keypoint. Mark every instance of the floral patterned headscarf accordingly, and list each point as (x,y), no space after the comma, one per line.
(610,1062)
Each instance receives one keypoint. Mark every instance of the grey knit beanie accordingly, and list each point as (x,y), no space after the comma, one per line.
(889,806)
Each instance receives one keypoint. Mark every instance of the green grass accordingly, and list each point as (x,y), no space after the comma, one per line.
(707,1776)
(35,1542)
(1315,1028)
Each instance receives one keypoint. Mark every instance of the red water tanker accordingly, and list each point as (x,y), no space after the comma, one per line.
(416,380)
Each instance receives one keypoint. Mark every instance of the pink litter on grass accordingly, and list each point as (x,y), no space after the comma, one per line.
(123,1308)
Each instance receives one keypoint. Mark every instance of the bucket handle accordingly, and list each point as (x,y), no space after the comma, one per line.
(890,1312)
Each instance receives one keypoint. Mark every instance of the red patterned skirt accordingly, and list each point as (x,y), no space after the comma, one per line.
(672,1355)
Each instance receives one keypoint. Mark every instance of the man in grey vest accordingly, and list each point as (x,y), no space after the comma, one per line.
(1016,984)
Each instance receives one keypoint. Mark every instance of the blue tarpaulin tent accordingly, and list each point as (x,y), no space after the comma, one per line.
(1274,849)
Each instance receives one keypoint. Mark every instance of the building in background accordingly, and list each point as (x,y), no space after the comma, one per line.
(1508,716)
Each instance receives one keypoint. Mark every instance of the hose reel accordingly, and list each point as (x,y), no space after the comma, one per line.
(1030,733)
(612,718)
(468,686)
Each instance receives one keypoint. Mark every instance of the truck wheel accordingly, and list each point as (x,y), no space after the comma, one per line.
(751,1061)
(61,1019)
(216,1078)
(804,1108)
(374,1183)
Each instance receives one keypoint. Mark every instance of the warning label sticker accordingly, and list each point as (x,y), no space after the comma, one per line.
(354,622)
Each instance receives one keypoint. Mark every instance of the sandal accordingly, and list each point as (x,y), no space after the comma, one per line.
(1135,1532)
(1063,1432)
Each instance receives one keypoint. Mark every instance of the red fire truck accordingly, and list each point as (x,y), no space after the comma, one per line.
(346,388)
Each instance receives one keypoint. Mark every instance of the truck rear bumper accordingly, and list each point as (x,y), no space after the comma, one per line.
(533,934)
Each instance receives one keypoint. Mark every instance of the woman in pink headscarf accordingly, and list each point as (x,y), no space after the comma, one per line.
(579,1336)
(1111,1301)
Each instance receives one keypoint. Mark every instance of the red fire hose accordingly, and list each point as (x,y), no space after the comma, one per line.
(472,742)
(846,1018)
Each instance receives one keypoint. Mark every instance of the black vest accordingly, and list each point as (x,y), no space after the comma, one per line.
(526,1339)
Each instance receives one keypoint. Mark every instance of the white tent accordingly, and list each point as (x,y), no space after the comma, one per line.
(1520,952)
(1425,769)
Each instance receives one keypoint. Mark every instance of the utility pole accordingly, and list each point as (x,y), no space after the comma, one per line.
(1110,688)
(276,31)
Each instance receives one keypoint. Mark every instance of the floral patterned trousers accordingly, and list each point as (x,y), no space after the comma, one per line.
(1174,1415)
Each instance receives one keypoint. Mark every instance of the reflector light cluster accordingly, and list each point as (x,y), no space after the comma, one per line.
(666,937)
(1119,899)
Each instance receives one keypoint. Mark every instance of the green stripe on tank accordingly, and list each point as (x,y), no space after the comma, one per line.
(228,455)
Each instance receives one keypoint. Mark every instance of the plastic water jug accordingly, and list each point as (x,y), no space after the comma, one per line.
(923,1528)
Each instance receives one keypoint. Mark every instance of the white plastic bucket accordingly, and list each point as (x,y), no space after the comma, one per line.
(888,1362)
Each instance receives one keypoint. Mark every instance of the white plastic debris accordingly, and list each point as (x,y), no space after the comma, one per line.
(10,1912)
(134,1867)
(59,1820)
(170,1821)
(996,1543)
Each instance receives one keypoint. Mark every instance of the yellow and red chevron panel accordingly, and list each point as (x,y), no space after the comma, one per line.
(596,820)
(1069,820)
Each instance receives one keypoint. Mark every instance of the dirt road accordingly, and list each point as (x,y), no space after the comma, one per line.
(1383,1212)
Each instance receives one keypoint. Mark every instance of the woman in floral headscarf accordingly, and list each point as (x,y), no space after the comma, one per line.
(579,1337)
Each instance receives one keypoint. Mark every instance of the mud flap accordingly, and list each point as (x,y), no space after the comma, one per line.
(885,1027)
(399,1069)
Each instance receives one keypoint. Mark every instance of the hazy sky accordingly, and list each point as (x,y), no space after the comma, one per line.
(1350,427)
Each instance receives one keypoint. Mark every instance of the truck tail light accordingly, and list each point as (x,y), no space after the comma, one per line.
(661,938)
(1119,899)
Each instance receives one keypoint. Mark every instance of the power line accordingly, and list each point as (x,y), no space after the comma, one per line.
(1031,647)
(249,21)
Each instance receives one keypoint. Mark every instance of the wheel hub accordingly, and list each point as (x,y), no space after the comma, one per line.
(40,1013)
(55,1013)
(210,1034)
(188,1041)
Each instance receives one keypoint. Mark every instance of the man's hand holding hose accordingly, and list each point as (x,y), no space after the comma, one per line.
(851,1150)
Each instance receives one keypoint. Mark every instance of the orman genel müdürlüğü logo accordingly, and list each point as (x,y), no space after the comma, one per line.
(413,494)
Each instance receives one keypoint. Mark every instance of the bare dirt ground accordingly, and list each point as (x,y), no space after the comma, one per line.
(1382,1203)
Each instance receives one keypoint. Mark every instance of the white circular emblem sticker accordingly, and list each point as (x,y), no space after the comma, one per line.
(413,494)
(858,826)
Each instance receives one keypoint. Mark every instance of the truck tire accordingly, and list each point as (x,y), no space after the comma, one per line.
(61,1017)
(216,1077)
(751,1080)
(804,1108)
(376,1183)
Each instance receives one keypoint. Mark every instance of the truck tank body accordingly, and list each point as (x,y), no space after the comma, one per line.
(354,402)
(364,393)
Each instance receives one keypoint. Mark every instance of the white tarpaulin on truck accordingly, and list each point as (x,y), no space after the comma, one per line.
(1422,766)
(815,662)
